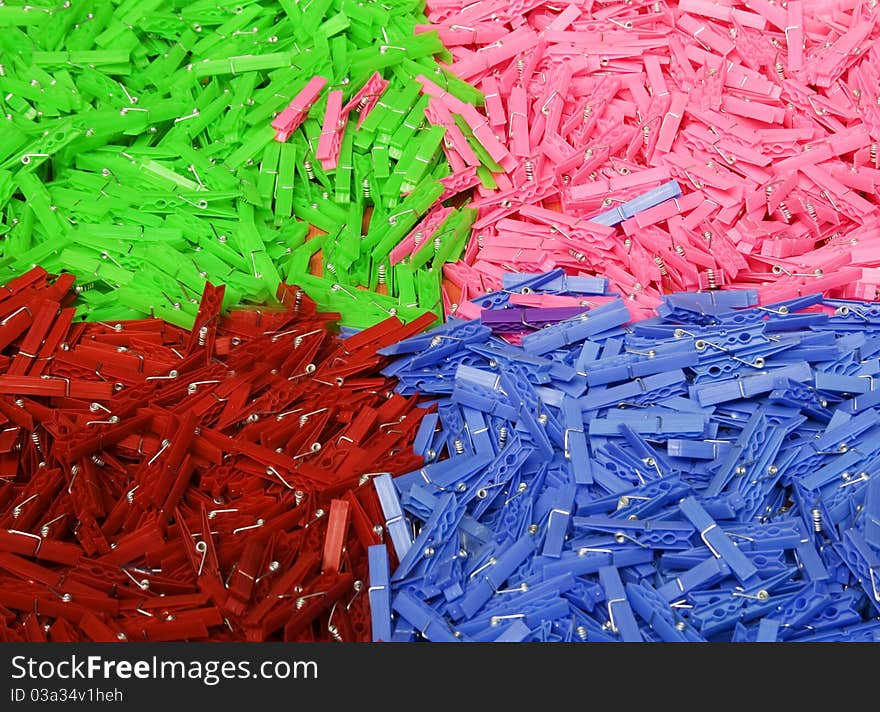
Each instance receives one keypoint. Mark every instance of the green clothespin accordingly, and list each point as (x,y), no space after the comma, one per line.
(285,178)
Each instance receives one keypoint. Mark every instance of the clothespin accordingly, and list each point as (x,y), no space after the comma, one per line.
(292,117)
(380,593)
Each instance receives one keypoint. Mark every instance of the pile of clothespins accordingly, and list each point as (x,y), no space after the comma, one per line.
(164,484)
(520,217)
(707,474)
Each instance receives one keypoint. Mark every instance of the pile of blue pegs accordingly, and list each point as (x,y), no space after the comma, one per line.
(709,474)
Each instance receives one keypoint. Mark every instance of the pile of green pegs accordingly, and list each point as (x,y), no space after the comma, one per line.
(137,151)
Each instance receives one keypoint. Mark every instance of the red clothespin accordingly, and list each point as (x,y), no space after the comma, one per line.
(204,331)
(336,535)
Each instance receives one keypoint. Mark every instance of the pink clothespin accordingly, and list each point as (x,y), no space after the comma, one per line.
(459,181)
(722,11)
(420,234)
(494,104)
(327,151)
(429,88)
(794,35)
(476,33)
(770,11)
(704,33)
(671,121)
(292,117)
(491,55)
(484,134)
(518,131)
(454,142)
(548,109)
(363,102)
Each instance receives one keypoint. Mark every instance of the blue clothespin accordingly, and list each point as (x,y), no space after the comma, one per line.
(424,619)
(478,430)
(575,443)
(379,592)
(807,603)
(863,562)
(640,390)
(558,520)
(871,516)
(704,574)
(587,560)
(698,449)
(491,576)
(482,391)
(558,283)
(527,284)
(529,412)
(868,632)
(515,632)
(395,524)
(566,333)
(750,386)
(662,534)
(629,366)
(664,192)
(425,435)
(440,525)
(716,540)
(660,617)
(620,615)
(768,631)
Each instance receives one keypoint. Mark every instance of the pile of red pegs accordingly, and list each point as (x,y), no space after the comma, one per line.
(212,484)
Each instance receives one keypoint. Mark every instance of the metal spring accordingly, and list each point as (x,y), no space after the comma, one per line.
(203,335)
(331,268)
(380,274)
(680,250)
(811,210)
(365,185)
(80,288)
(438,243)
(582,630)
(768,191)
(873,153)
(786,213)
(646,134)
(780,70)
(710,278)
(298,300)
(459,446)
(588,112)
(816,515)
(334,632)
(362,104)
(502,436)
(98,461)
(35,438)
(480,240)
(658,260)
(530,170)
(520,67)
(579,256)
(310,172)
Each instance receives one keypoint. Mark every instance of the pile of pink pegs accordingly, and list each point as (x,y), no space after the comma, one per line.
(766,115)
